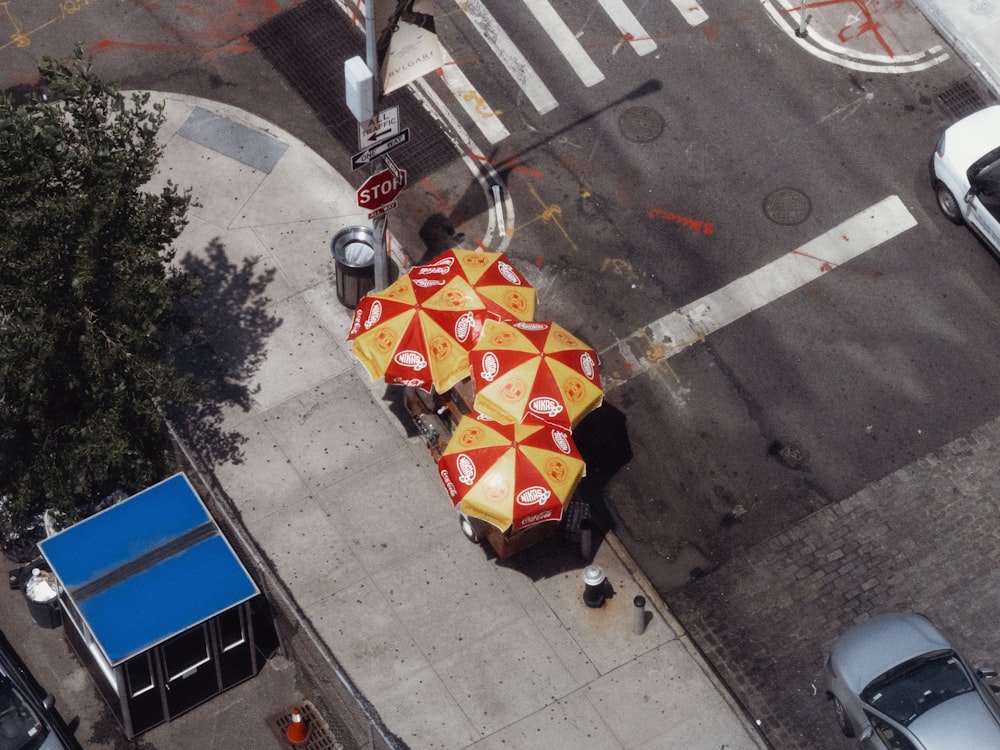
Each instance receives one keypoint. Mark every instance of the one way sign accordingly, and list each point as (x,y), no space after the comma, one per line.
(384,125)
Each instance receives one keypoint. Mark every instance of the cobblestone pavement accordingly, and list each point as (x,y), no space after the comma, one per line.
(925,538)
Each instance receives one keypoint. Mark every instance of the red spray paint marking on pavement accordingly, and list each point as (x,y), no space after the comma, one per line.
(698,225)
(511,165)
(869,25)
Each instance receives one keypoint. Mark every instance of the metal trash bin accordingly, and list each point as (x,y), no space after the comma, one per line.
(354,258)
(41,594)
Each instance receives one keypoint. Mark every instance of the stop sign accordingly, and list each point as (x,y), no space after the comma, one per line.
(380,189)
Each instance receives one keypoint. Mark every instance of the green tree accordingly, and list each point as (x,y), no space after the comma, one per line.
(88,296)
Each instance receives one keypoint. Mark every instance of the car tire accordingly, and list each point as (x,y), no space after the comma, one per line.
(845,725)
(948,204)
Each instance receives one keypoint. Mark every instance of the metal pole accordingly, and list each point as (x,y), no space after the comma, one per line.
(639,615)
(379,224)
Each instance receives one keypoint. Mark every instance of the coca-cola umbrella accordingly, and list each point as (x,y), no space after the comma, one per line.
(534,370)
(506,293)
(418,330)
(510,475)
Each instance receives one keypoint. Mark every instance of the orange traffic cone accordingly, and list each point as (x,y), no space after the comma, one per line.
(298,732)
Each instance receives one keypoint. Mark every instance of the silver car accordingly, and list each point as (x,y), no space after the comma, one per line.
(965,174)
(896,683)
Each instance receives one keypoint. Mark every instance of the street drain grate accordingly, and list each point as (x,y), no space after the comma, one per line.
(787,206)
(641,124)
(961,99)
(320,737)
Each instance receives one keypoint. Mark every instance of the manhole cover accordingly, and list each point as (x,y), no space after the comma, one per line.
(787,206)
(961,99)
(640,124)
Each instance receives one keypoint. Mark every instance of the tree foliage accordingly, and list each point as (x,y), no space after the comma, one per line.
(88,295)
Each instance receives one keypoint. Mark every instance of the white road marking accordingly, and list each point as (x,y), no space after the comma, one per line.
(629,26)
(565,41)
(503,47)
(693,13)
(470,100)
(675,332)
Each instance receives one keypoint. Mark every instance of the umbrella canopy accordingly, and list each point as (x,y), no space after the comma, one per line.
(418,331)
(534,370)
(505,292)
(511,476)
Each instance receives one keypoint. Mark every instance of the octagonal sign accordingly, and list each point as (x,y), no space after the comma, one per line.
(381,189)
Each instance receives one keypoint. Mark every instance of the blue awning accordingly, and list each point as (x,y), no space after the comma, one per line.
(147,568)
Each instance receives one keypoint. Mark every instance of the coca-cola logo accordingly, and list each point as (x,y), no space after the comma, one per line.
(490,368)
(532,325)
(374,315)
(466,469)
(533,496)
(427,283)
(536,517)
(414,382)
(507,271)
(438,266)
(545,405)
(448,484)
(464,327)
(356,323)
(588,366)
(409,358)
(561,439)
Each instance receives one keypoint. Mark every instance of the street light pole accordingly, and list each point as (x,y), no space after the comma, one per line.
(379,224)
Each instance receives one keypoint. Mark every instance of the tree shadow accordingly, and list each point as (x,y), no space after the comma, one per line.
(220,343)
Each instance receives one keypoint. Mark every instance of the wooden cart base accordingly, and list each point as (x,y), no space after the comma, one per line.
(506,545)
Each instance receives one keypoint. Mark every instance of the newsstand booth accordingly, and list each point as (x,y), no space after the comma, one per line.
(156,604)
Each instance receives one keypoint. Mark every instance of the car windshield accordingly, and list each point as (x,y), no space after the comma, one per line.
(20,728)
(986,169)
(907,691)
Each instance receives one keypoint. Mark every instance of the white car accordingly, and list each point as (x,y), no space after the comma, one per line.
(965,173)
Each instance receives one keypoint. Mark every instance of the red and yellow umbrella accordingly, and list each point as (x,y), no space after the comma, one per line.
(511,476)
(534,370)
(418,331)
(503,289)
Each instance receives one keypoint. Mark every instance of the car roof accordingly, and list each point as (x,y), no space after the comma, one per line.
(973,136)
(959,723)
(880,643)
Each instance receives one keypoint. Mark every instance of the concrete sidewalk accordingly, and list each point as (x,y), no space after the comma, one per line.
(453,648)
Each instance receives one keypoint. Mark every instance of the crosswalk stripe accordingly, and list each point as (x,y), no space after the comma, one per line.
(693,13)
(503,47)
(471,101)
(676,331)
(565,40)
(629,26)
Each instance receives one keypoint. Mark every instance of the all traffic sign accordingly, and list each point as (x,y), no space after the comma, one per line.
(380,189)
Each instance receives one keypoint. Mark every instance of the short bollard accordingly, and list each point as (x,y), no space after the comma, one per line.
(639,615)
(594,589)
(586,538)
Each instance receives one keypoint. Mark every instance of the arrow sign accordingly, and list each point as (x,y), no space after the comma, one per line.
(382,147)
(383,125)
(380,190)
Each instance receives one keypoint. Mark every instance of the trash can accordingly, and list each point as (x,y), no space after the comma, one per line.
(41,594)
(354,258)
